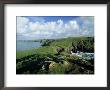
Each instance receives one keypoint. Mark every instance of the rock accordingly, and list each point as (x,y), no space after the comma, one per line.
(60,49)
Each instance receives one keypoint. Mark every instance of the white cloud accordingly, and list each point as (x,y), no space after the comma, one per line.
(74,25)
(22,25)
(53,29)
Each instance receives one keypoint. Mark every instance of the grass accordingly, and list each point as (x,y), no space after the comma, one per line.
(21,54)
(42,50)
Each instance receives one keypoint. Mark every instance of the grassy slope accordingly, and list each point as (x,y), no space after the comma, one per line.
(66,42)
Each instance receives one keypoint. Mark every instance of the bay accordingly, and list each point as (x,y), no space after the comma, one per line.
(27,45)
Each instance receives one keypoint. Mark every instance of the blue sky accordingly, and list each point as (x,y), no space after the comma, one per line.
(48,27)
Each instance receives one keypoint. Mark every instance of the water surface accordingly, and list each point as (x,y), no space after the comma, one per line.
(26,45)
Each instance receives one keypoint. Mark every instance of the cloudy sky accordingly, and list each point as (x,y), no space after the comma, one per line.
(47,27)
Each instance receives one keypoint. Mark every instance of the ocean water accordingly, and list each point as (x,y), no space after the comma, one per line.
(26,45)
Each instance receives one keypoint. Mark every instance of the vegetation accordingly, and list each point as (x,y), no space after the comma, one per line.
(54,57)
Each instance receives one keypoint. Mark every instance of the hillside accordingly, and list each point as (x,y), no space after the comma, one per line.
(54,57)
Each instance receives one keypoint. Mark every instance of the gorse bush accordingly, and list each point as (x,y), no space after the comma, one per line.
(56,68)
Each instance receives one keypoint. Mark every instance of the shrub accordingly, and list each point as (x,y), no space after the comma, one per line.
(72,58)
(56,68)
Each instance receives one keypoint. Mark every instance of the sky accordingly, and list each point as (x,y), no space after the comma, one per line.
(53,27)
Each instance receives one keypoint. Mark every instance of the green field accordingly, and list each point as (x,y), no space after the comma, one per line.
(54,57)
